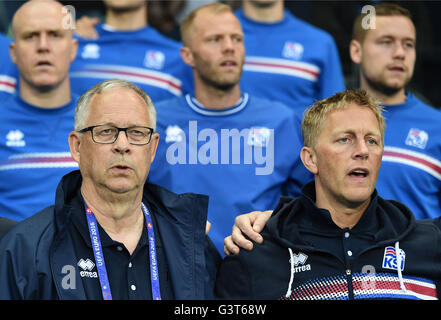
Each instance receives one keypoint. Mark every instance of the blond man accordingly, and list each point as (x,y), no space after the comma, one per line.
(241,150)
(339,239)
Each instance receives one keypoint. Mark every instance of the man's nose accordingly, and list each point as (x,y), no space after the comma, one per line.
(361,149)
(121,144)
(399,50)
(43,42)
(227,44)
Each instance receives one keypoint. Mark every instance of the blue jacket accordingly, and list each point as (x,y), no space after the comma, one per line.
(35,253)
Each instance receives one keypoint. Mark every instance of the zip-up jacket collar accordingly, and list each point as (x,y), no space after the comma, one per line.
(383,221)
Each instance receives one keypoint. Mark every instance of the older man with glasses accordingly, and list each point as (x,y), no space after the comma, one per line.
(111,235)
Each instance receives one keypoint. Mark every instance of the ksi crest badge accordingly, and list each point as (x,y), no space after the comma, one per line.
(390,258)
(259,137)
(154,59)
(292,50)
(417,138)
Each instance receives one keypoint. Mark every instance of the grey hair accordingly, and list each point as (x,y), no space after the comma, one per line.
(83,105)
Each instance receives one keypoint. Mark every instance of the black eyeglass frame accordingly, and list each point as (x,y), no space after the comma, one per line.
(117,133)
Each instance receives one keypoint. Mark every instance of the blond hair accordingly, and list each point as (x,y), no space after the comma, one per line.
(188,24)
(381,10)
(315,116)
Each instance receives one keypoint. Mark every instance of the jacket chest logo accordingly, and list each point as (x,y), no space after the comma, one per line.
(15,138)
(154,59)
(91,51)
(298,262)
(417,138)
(86,267)
(292,50)
(393,259)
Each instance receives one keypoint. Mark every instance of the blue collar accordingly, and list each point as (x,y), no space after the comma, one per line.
(199,108)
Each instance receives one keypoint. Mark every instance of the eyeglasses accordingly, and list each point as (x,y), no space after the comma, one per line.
(107,134)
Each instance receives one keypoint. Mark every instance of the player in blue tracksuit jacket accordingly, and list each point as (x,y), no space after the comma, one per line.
(34,155)
(142,56)
(126,47)
(240,150)
(35,123)
(8,71)
(386,55)
(411,167)
(244,157)
(289,60)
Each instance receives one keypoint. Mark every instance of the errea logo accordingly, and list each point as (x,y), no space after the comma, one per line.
(91,51)
(298,261)
(87,266)
(15,138)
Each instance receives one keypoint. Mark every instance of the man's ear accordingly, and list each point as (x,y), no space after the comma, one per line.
(355,51)
(12,52)
(187,56)
(73,54)
(154,145)
(74,145)
(309,159)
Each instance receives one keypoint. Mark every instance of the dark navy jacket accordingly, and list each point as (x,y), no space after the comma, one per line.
(34,254)
(5,225)
(305,255)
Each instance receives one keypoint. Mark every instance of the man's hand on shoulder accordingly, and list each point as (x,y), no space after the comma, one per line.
(250,225)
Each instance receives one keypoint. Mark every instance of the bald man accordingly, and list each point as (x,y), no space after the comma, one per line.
(34,124)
